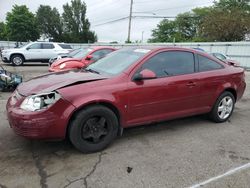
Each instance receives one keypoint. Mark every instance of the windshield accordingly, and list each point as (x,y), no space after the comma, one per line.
(82,53)
(73,52)
(118,61)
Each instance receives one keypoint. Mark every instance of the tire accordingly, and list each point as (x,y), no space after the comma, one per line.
(93,129)
(17,60)
(223,107)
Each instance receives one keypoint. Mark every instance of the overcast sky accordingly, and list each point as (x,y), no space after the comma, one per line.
(102,11)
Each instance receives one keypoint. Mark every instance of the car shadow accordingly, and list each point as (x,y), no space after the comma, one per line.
(65,146)
(26,64)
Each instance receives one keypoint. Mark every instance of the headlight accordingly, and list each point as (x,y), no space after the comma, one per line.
(62,65)
(40,101)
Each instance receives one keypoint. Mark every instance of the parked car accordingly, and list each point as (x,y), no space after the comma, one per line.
(220,56)
(34,51)
(64,55)
(83,58)
(129,87)
(225,58)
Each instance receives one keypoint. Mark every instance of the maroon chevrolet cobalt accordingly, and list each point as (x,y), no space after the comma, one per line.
(130,87)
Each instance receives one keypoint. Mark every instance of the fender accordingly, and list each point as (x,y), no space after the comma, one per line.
(109,100)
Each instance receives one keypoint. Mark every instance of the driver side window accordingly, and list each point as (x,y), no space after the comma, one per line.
(35,46)
(170,63)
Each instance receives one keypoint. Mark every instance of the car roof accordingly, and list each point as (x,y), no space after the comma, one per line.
(101,47)
(157,48)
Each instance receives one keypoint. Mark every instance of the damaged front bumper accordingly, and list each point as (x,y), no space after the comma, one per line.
(46,124)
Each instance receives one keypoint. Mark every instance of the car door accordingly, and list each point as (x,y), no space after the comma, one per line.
(33,51)
(48,51)
(174,93)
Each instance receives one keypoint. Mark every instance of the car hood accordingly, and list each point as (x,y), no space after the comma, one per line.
(54,81)
(64,60)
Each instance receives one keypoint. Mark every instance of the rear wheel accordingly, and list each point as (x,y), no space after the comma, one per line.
(223,108)
(17,60)
(93,129)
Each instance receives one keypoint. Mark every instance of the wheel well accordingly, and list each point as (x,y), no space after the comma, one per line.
(106,104)
(17,54)
(231,90)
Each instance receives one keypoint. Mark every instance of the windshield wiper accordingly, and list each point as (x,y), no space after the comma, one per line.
(93,71)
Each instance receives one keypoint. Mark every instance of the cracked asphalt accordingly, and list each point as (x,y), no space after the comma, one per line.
(178,153)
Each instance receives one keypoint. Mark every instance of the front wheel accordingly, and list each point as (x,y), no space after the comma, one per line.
(17,60)
(223,107)
(93,128)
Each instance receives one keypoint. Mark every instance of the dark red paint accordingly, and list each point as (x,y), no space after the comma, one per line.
(136,102)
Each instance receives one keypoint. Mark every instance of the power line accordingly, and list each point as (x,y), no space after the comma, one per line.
(178,7)
(143,17)
(113,21)
(105,20)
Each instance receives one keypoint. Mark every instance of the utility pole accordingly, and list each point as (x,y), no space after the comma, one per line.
(142,36)
(129,22)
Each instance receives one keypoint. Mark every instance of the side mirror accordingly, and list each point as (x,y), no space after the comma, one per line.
(144,75)
(27,48)
(89,57)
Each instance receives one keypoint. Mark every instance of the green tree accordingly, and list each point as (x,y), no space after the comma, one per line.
(225,26)
(76,25)
(21,24)
(166,31)
(228,5)
(229,20)
(3,32)
(187,25)
(226,20)
(49,22)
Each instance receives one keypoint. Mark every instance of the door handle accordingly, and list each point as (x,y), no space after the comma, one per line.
(191,84)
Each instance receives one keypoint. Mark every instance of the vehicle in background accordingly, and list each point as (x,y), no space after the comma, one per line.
(225,58)
(200,49)
(81,59)
(34,51)
(129,87)
(8,80)
(64,55)
(220,56)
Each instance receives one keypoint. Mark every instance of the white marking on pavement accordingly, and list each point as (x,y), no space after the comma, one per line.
(228,173)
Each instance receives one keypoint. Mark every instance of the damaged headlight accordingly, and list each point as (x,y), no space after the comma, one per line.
(40,101)
(62,65)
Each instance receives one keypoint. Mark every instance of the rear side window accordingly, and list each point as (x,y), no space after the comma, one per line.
(206,64)
(48,46)
(65,46)
(171,63)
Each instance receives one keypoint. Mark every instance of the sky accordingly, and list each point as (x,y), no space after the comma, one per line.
(100,12)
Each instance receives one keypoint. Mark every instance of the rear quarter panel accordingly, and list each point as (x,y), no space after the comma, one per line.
(214,83)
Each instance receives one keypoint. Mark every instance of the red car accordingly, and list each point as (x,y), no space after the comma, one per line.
(81,59)
(130,87)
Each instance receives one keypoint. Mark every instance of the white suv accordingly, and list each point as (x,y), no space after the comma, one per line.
(34,51)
